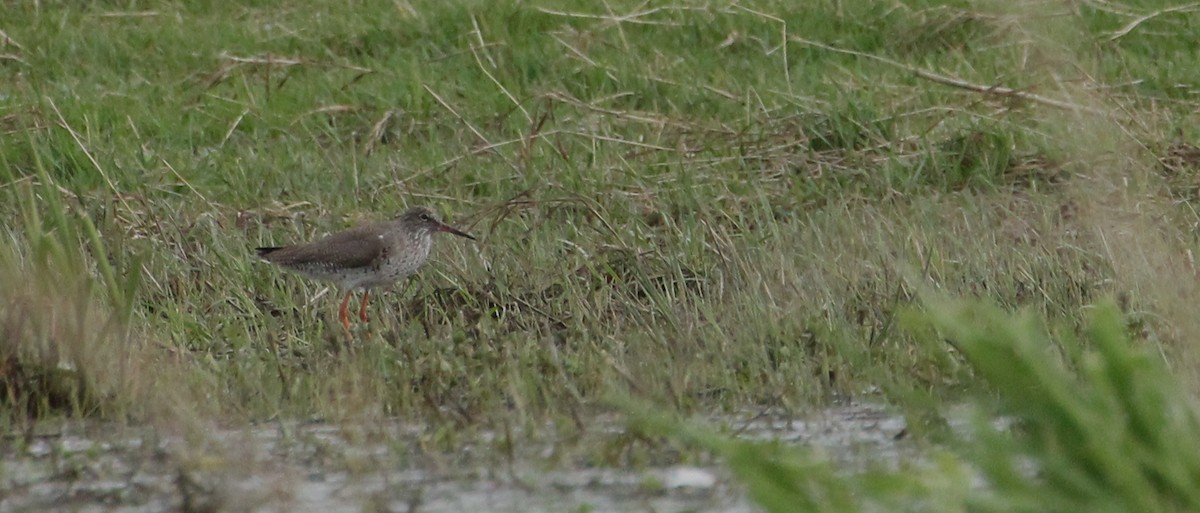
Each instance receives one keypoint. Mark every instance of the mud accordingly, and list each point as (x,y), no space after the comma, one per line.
(318,467)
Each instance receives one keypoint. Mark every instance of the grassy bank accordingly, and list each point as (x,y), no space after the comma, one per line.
(701,204)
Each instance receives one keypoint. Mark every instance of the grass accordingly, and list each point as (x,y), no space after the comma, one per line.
(704,205)
(1094,423)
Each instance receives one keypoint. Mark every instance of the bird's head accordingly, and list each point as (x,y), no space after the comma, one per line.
(423,219)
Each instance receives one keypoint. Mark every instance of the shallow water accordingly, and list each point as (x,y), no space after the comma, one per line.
(326,468)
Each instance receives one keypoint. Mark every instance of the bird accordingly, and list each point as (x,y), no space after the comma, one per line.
(367,256)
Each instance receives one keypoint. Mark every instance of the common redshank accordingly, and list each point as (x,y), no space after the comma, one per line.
(365,257)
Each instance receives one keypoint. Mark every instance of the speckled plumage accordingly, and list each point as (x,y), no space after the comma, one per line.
(366,256)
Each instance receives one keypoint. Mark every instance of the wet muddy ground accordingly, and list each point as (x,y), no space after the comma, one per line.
(320,467)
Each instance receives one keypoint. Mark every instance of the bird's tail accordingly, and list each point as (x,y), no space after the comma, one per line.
(263,252)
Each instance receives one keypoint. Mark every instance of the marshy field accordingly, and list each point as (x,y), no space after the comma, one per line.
(829,255)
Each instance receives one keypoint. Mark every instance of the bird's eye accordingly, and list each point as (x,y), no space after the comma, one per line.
(424,217)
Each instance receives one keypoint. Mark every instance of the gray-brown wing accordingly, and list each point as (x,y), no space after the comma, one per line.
(348,249)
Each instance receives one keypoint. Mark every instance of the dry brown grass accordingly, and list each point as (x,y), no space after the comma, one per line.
(65,350)
(1126,212)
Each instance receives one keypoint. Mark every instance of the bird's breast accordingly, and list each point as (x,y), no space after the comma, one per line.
(406,259)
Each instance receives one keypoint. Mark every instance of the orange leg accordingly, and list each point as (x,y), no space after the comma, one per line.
(342,315)
(362,310)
